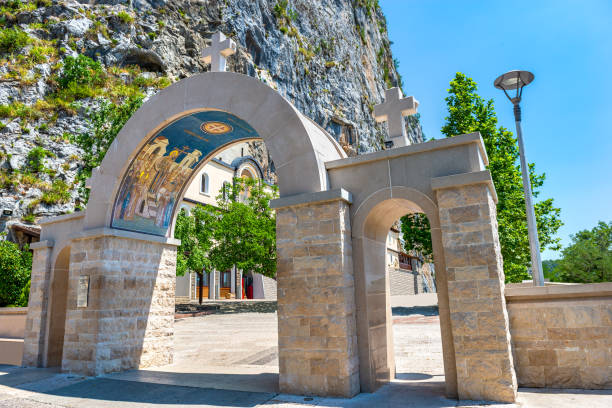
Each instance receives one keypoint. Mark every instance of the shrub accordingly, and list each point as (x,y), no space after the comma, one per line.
(80,71)
(35,158)
(13,39)
(15,270)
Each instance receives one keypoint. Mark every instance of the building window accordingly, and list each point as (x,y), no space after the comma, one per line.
(226,279)
(204,183)
(227,189)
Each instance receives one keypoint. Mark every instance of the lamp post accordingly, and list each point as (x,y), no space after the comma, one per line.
(517,80)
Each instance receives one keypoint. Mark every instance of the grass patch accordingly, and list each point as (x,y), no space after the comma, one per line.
(59,193)
(125,17)
(13,39)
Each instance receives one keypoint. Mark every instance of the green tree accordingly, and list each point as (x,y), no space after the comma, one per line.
(589,258)
(245,231)
(15,271)
(417,236)
(468,112)
(549,269)
(196,234)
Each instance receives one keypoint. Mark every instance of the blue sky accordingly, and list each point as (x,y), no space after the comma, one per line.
(567,110)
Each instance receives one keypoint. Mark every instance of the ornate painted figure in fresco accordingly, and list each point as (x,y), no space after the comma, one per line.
(152,186)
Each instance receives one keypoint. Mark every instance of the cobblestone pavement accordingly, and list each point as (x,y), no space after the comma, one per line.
(230,360)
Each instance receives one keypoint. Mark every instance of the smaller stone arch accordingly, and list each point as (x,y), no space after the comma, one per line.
(331,245)
(370,226)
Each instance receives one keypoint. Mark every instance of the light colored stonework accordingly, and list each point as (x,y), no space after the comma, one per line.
(562,335)
(316,306)
(335,333)
(129,319)
(479,321)
(35,330)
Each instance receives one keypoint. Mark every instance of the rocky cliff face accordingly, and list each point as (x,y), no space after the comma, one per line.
(331,58)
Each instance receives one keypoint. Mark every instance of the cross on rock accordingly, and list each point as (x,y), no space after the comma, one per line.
(393,111)
(219,50)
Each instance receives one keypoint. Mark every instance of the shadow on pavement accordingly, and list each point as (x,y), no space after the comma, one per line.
(412,376)
(249,382)
(415,310)
(116,391)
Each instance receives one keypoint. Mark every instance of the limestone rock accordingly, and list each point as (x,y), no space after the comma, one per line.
(331,58)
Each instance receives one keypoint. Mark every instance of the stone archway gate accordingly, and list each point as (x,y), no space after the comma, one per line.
(332,219)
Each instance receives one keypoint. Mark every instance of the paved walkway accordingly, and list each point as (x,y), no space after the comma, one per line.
(230,360)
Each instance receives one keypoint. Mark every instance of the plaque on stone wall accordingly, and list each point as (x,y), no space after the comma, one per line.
(83,291)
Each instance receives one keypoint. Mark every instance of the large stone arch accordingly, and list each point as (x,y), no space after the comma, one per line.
(131,273)
(297,145)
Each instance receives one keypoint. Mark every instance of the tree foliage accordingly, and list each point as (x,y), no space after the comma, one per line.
(240,231)
(468,112)
(589,258)
(417,236)
(196,234)
(245,233)
(15,271)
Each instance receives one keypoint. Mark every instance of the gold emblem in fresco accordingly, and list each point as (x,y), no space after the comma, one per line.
(216,128)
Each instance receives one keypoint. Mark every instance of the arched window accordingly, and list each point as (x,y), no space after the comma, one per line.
(204,183)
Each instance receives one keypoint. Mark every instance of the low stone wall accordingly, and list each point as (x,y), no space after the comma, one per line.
(12,322)
(12,327)
(562,335)
(402,282)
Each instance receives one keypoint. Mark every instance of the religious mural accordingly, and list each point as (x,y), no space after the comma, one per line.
(153,183)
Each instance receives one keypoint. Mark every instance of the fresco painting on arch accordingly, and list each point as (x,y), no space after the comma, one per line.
(152,185)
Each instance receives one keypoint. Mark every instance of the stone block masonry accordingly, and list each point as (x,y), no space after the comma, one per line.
(475,289)
(129,320)
(316,300)
(35,330)
(562,335)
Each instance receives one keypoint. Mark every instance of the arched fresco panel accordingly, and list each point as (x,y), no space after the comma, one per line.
(152,186)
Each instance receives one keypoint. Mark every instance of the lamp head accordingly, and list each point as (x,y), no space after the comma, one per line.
(514,80)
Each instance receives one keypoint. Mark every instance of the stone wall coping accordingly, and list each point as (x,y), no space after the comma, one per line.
(559,292)
(465,179)
(312,198)
(432,145)
(113,232)
(13,311)
(62,218)
(47,243)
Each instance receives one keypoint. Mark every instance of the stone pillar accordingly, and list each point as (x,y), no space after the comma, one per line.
(316,298)
(238,284)
(211,284)
(38,305)
(129,318)
(474,265)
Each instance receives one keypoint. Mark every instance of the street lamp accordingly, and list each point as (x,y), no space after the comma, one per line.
(517,80)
